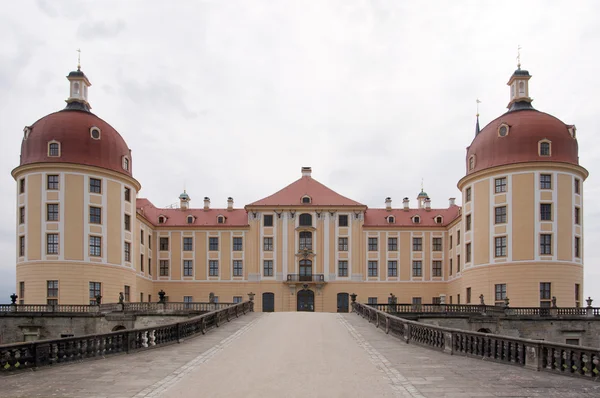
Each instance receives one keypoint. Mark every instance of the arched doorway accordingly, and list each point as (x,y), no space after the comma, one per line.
(118,327)
(305,270)
(268,302)
(306,300)
(343,302)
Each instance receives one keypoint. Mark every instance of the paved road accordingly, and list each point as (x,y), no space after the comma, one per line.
(293,355)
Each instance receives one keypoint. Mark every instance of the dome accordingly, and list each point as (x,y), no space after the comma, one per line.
(522,132)
(422,194)
(184,196)
(83,138)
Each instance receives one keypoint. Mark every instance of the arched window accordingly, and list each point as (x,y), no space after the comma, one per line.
(305,240)
(75,88)
(306,199)
(391,219)
(416,219)
(472,162)
(438,220)
(306,220)
(162,219)
(190,219)
(521,87)
(126,163)
(220,220)
(54,149)
(545,148)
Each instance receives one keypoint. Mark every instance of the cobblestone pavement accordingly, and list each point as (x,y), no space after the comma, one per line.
(293,355)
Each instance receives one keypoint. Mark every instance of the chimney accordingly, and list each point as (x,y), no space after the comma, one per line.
(451,202)
(206,203)
(427,204)
(230,203)
(306,171)
(405,203)
(388,203)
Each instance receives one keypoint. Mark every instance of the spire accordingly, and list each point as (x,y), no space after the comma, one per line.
(477,123)
(78,92)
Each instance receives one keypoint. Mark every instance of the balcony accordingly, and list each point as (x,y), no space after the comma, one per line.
(302,278)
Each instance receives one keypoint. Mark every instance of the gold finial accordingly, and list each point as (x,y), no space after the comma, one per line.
(79,59)
(519,56)
(478,102)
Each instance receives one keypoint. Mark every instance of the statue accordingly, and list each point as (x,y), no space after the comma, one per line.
(98,299)
(553,301)
(161,296)
(121,298)
(13,298)
(481,299)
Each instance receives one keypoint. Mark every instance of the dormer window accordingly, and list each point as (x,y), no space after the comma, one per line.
(125,163)
(545,148)
(190,219)
(306,200)
(439,220)
(471,162)
(503,130)
(220,220)
(416,220)
(95,133)
(391,219)
(572,131)
(162,219)
(26,131)
(54,149)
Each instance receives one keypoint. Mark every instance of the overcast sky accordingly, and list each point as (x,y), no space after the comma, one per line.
(231,98)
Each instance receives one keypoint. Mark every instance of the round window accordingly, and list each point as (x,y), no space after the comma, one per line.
(95,133)
(503,130)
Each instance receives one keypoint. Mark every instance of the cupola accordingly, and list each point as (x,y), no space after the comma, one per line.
(421,197)
(184,201)
(78,90)
(519,89)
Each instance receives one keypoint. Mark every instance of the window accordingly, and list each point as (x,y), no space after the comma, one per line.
(213,244)
(126,293)
(544,148)
(95,290)
(577,186)
(305,240)
(21,246)
(416,301)
(164,267)
(95,246)
(439,220)
(343,268)
(126,163)
(577,246)
(52,290)
(268,220)
(127,195)
(188,268)
(213,268)
(576,216)
(343,220)
(468,223)
(545,294)
(237,299)
(417,244)
(471,162)
(127,222)
(458,299)
(372,301)
(436,300)
(238,244)
(164,244)
(437,268)
(500,215)
(468,194)
(416,220)
(450,266)
(500,292)
(306,199)
(52,212)
(545,244)
(458,263)
(577,295)
(500,184)
(417,268)
(95,215)
(372,268)
(268,244)
(127,249)
(54,149)
(21,293)
(94,131)
(343,244)
(572,341)
(437,244)
(468,295)
(190,219)
(149,266)
(546,211)
(305,220)
(392,268)
(372,244)
(450,246)
(391,220)
(95,185)
(52,244)
(22,185)
(52,182)
(458,237)
(162,219)
(142,236)
(468,249)
(500,243)
(188,244)
(188,300)
(238,269)
(545,181)
(21,215)
(392,244)
(149,241)
(268,267)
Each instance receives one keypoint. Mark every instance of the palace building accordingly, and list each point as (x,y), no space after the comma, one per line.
(82,230)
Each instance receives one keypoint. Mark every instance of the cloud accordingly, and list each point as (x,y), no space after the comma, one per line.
(100,29)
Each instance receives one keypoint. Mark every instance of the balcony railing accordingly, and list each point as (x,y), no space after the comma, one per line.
(306,278)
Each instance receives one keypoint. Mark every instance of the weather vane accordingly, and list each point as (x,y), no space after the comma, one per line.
(519,56)
(478,102)
(79,59)
(421,184)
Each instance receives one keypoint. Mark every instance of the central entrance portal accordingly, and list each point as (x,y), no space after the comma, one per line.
(306,300)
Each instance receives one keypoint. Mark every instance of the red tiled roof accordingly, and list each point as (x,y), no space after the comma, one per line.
(178,217)
(378,217)
(292,195)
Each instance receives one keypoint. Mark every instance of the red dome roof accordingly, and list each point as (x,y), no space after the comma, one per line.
(525,129)
(71,128)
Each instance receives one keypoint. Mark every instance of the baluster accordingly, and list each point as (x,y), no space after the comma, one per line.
(152,337)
